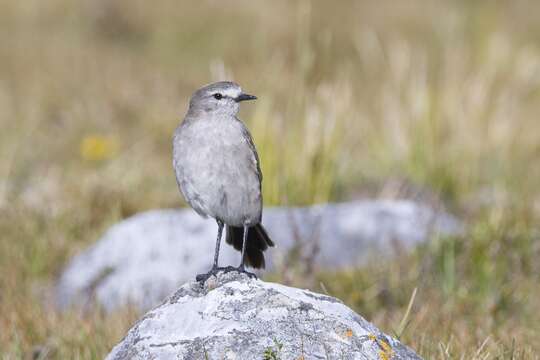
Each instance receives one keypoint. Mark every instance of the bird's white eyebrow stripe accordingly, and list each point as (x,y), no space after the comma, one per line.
(232,92)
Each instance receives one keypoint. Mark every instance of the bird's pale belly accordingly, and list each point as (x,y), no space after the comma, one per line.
(222,183)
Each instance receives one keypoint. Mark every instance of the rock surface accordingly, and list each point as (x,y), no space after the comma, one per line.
(235,317)
(144,258)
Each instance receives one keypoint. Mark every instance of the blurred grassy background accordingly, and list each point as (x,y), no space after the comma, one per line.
(434,100)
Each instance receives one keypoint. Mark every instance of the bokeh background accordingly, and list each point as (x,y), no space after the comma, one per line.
(435,100)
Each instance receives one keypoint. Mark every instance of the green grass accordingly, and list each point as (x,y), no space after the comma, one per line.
(432,100)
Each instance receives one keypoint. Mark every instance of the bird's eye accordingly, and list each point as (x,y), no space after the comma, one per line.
(218,96)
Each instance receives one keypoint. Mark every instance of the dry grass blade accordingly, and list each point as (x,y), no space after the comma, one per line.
(405,320)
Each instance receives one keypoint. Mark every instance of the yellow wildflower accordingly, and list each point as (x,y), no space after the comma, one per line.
(98,148)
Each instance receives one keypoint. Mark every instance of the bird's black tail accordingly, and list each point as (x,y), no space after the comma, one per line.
(257,242)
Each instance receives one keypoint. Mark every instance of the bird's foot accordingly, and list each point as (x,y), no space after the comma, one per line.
(215,270)
(241,269)
(203,277)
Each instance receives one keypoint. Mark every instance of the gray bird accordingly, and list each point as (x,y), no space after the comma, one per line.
(217,170)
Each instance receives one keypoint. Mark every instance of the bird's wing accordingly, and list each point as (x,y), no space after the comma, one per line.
(256,163)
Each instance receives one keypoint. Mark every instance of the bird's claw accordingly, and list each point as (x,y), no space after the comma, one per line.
(241,269)
(215,270)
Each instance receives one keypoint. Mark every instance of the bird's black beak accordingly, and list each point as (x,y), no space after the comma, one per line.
(243,97)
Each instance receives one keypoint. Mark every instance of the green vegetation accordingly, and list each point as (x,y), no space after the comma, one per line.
(432,100)
(273,352)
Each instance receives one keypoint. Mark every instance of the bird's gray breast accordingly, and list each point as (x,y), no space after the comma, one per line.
(217,170)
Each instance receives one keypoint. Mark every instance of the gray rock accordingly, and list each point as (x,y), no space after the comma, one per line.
(235,317)
(144,258)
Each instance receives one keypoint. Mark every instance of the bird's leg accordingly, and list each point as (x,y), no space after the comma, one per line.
(214,270)
(218,242)
(244,241)
(242,267)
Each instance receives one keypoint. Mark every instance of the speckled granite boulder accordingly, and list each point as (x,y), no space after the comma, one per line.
(144,258)
(235,317)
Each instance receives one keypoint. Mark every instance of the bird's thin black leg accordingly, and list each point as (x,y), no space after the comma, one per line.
(242,267)
(244,241)
(214,270)
(218,242)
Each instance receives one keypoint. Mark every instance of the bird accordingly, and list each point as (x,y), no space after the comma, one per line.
(218,172)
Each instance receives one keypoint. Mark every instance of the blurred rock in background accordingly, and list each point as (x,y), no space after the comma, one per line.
(143,259)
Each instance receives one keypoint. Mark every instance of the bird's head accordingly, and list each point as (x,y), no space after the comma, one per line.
(221,97)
